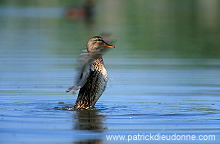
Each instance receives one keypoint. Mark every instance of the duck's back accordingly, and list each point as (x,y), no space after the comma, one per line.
(94,86)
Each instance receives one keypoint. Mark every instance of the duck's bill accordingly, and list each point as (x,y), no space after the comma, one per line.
(108,45)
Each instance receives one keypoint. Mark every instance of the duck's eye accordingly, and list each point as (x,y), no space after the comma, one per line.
(99,40)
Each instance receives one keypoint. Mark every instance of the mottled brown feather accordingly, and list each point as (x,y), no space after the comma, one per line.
(94,87)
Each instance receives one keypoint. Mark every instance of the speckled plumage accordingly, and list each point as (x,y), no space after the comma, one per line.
(92,76)
(94,87)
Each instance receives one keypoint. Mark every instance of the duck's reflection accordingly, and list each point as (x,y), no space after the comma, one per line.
(89,120)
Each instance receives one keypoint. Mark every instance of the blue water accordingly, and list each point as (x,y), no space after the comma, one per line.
(146,96)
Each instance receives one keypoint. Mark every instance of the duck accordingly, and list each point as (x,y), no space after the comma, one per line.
(92,77)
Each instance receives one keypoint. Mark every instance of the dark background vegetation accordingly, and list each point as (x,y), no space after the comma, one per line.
(148,28)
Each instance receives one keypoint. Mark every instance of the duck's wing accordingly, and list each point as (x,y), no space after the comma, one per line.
(83,70)
(84,67)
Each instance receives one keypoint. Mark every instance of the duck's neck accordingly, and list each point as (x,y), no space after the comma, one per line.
(98,64)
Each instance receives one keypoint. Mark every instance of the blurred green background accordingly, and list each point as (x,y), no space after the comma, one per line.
(141,28)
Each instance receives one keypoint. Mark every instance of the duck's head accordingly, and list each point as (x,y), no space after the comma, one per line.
(97,44)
